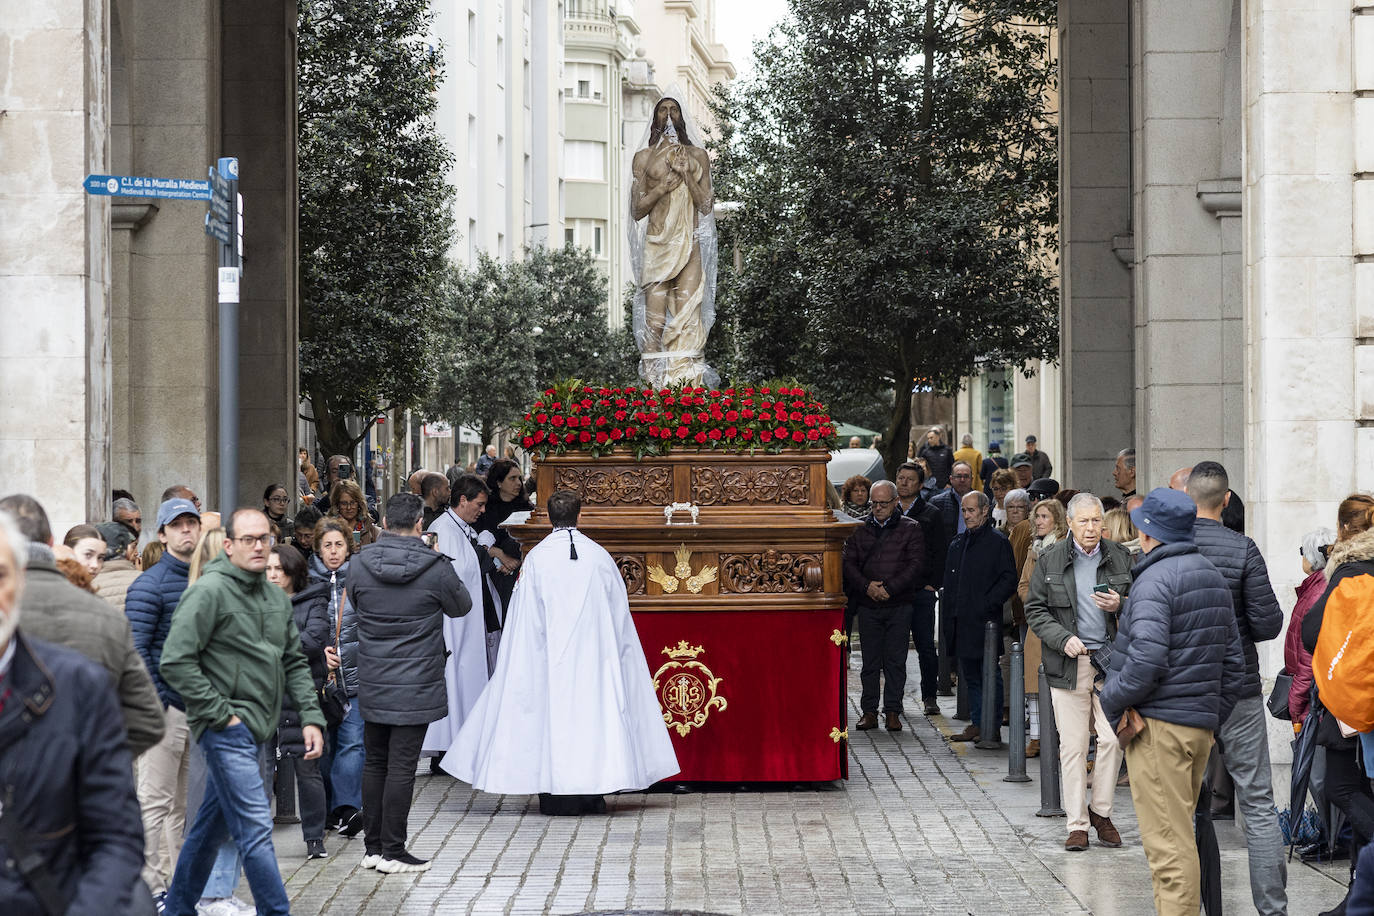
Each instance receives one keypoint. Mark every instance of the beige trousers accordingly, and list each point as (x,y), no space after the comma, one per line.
(1074,713)
(162,796)
(1167,763)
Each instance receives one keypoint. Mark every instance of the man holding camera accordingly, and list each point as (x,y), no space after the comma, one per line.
(1076,592)
(401,588)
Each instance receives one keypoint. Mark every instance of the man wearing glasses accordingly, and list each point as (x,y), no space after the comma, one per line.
(232,650)
(884,565)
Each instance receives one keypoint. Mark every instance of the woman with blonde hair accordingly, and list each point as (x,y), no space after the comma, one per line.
(1049,524)
(348,505)
(211,545)
(1117,526)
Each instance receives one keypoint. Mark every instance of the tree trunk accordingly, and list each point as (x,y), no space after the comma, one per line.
(331,427)
(898,435)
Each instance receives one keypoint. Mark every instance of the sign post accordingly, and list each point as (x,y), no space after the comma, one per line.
(224,222)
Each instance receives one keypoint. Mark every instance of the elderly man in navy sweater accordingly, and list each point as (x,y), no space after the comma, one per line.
(1178,663)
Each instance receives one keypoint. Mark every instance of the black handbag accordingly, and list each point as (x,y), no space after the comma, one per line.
(1278,697)
(333,701)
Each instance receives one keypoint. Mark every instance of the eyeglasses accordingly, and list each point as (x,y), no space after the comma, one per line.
(882,502)
(252,540)
(279,499)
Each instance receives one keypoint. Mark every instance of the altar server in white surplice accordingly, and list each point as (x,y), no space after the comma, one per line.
(466,669)
(570,712)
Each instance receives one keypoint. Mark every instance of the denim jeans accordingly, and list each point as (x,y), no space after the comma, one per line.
(1244,743)
(236,805)
(224,877)
(343,775)
(971,671)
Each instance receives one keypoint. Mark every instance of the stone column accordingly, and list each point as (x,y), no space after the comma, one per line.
(1095,227)
(54,259)
(1188,355)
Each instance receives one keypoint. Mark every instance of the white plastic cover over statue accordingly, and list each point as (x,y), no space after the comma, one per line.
(672,229)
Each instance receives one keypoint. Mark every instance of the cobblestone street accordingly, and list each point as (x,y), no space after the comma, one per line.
(918,828)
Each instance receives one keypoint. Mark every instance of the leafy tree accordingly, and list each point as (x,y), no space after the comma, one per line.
(375,224)
(896,173)
(492,364)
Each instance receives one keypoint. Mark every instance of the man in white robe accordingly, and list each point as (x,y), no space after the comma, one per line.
(570,712)
(467,668)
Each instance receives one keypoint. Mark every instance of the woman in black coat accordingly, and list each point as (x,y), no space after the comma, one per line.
(507,487)
(310,608)
(938,456)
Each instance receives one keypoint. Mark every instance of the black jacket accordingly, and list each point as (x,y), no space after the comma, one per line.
(1258,615)
(936,543)
(892,553)
(980,575)
(1177,656)
(399,588)
(66,775)
(1052,603)
(940,460)
(947,504)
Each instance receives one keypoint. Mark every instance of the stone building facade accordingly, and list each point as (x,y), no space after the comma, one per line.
(108,317)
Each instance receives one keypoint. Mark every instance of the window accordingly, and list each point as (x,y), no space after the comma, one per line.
(500,61)
(501,160)
(528,176)
(584,81)
(569,236)
(596,240)
(501,245)
(528,88)
(584,160)
(472,141)
(587,233)
(472,37)
(472,242)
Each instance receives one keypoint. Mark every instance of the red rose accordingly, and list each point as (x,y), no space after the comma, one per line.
(558,420)
(703,416)
(653,430)
(617,434)
(798,436)
(746,434)
(665,433)
(794,416)
(586,402)
(538,435)
(685,418)
(600,421)
(809,419)
(765,391)
(632,431)
(731,432)
(714,435)
(584,436)
(780,432)
(701,438)
(765,415)
(813,434)
(527,441)
(570,437)
(621,402)
(682,432)
(668,399)
(541,418)
(586,421)
(601,437)
(621,415)
(732,415)
(764,436)
(550,392)
(747,414)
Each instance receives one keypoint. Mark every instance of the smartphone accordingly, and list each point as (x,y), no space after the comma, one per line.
(431,539)
(357,538)
(1102,588)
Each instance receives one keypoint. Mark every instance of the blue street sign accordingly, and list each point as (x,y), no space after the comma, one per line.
(137,186)
(217,229)
(229,167)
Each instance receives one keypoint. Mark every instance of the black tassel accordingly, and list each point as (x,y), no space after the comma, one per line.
(572,548)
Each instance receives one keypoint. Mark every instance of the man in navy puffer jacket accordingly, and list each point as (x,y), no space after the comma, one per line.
(1244,739)
(1178,662)
(162,771)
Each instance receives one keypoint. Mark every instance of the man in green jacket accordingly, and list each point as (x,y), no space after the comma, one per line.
(1077,591)
(231,652)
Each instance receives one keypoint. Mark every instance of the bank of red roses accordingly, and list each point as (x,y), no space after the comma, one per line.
(644,421)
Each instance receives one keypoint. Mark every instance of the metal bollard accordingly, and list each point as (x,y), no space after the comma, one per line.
(1051,804)
(990,734)
(1016,750)
(286,791)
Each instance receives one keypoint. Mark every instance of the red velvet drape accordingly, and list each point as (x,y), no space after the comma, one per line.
(782,678)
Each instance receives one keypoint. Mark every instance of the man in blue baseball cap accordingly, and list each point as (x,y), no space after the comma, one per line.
(1178,662)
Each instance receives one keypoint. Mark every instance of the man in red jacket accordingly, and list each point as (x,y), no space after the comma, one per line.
(884,564)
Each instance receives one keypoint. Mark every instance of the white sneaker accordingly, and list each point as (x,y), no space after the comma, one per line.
(225,906)
(403,864)
(371,861)
(244,908)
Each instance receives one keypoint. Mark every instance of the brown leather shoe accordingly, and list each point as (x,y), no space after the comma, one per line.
(968,734)
(1033,747)
(1077,841)
(866,721)
(894,724)
(1107,834)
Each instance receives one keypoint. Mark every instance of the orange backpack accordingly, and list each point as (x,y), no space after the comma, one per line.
(1343,663)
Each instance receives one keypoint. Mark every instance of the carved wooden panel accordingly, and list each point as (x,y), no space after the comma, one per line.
(770,572)
(750,486)
(632,571)
(636,486)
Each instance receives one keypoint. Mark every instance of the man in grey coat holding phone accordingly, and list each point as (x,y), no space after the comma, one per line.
(1077,590)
